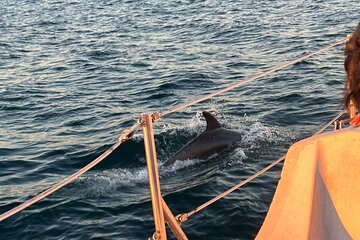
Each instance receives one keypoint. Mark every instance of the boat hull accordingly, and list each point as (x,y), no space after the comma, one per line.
(318,195)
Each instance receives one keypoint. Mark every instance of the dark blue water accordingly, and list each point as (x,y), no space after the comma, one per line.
(75,73)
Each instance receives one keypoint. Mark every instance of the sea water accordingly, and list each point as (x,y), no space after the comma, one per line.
(75,73)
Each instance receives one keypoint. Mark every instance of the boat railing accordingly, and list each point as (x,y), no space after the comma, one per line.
(161,212)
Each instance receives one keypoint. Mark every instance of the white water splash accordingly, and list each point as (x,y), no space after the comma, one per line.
(257,133)
(179,165)
(238,155)
(195,125)
(100,182)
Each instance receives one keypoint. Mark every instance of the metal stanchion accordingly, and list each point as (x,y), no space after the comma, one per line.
(154,181)
(160,209)
(173,223)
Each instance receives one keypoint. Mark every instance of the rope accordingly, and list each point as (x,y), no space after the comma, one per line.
(231,87)
(70,178)
(183,217)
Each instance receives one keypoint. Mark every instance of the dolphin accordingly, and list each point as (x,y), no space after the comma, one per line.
(213,140)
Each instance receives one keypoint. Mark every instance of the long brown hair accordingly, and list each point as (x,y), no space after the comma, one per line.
(352,68)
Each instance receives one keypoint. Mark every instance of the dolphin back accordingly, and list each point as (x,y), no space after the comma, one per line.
(213,140)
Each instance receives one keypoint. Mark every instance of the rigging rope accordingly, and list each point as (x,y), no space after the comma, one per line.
(183,217)
(126,134)
(176,109)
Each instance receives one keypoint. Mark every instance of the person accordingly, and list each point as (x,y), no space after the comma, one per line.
(352,69)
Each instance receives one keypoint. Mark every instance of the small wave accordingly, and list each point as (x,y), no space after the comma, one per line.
(140,64)
(101,183)
(237,156)
(102,54)
(258,134)
(178,165)
(168,85)
(194,125)
(159,96)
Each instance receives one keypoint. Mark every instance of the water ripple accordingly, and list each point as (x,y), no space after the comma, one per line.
(75,73)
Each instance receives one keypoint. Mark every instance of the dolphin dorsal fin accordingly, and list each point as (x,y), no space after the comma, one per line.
(211,122)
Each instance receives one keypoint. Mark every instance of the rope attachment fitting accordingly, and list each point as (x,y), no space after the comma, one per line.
(154,118)
(155,236)
(182,218)
(128,133)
